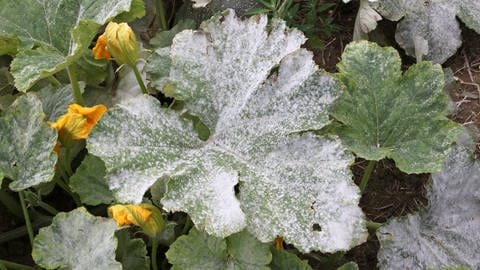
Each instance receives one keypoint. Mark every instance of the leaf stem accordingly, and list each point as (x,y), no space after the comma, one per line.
(372,225)
(72,75)
(366,175)
(15,266)
(154,253)
(139,79)
(26,217)
(11,204)
(161,15)
(67,189)
(21,231)
(54,81)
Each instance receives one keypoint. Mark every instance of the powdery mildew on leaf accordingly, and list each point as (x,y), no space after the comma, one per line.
(55,34)
(200,251)
(55,100)
(26,144)
(447,232)
(77,240)
(433,21)
(224,74)
(389,114)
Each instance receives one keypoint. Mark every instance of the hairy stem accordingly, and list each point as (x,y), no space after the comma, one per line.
(366,175)
(154,253)
(26,217)
(15,266)
(139,79)
(161,15)
(72,75)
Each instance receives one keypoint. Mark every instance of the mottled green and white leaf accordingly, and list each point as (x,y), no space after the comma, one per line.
(89,182)
(387,114)
(447,232)
(26,144)
(288,184)
(77,240)
(55,34)
(198,251)
(55,100)
(433,21)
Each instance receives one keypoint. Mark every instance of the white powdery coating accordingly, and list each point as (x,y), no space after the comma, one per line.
(305,183)
(139,142)
(77,240)
(447,232)
(218,67)
(207,193)
(226,75)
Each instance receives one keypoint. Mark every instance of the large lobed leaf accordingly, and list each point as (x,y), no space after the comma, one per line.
(389,114)
(77,240)
(447,232)
(288,184)
(55,35)
(200,251)
(26,144)
(432,22)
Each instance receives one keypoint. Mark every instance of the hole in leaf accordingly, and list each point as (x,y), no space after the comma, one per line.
(316,227)
(236,188)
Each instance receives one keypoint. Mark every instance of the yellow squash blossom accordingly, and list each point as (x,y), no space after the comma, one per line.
(121,43)
(100,50)
(77,123)
(146,216)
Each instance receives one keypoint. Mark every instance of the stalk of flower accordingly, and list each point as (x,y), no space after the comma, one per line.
(146,216)
(119,42)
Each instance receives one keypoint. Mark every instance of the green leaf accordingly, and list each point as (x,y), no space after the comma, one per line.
(55,100)
(164,38)
(349,266)
(284,260)
(288,184)
(26,144)
(132,253)
(91,71)
(77,240)
(199,251)
(55,35)
(446,233)
(89,182)
(137,10)
(433,21)
(387,114)
(8,45)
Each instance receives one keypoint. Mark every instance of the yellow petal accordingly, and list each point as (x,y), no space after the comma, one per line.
(100,50)
(77,123)
(120,214)
(122,43)
(146,216)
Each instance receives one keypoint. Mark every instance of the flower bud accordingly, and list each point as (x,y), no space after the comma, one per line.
(146,216)
(121,43)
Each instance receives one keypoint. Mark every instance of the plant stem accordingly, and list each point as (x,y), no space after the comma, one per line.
(72,75)
(161,15)
(54,81)
(186,227)
(67,189)
(27,217)
(366,175)
(15,266)
(139,79)
(11,204)
(154,253)
(372,225)
(21,231)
